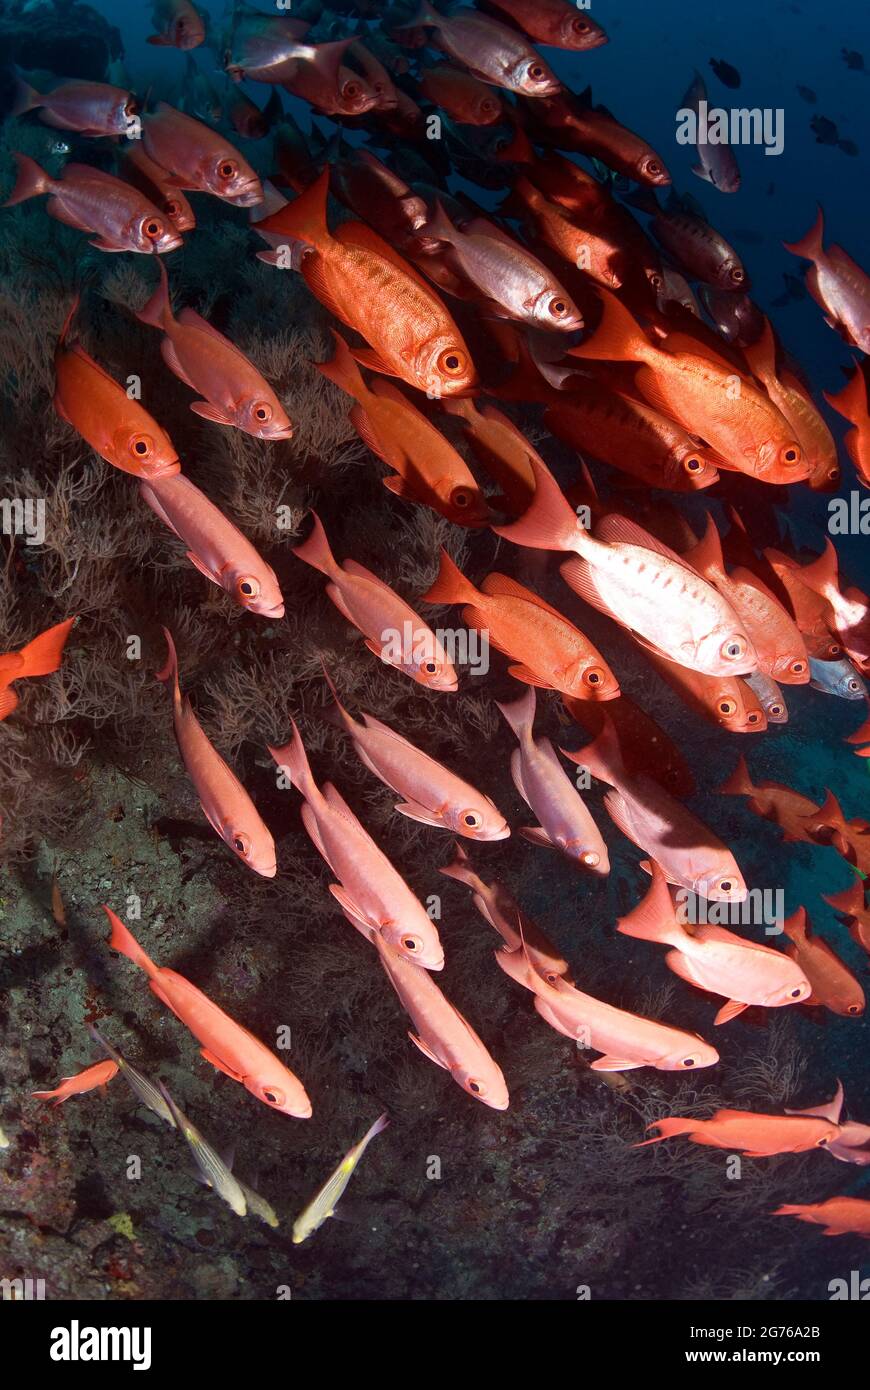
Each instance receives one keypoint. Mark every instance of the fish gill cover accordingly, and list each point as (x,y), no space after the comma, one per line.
(458,535)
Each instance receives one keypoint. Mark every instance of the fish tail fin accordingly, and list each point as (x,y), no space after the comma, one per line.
(520,714)
(168,673)
(30,180)
(705,555)
(810,247)
(739,783)
(66,328)
(852,402)
(618,337)
(451,585)
(316,552)
(25,98)
(158,311)
(830,812)
(339,714)
(304,219)
(823,570)
(653,919)
(849,900)
(668,1128)
(342,370)
(293,761)
(461,869)
(796,927)
(378,1127)
(123,940)
(549,522)
(43,655)
(603,756)
(791,1209)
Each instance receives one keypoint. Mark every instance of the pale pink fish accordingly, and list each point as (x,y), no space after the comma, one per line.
(432,793)
(215,546)
(443,1034)
(393,631)
(714,959)
(227,807)
(542,782)
(852,1144)
(839,286)
(91,108)
(199,158)
(100,1074)
(498,907)
(690,855)
(626,1040)
(490,50)
(370,891)
(119,216)
(632,576)
(235,392)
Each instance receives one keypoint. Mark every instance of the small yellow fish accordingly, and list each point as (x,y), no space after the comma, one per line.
(323,1204)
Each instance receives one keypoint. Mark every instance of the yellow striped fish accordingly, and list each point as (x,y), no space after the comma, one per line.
(324,1203)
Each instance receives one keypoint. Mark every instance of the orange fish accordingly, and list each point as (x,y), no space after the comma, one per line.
(431,793)
(179,24)
(686,380)
(851,903)
(546,649)
(235,392)
(581,245)
(833,984)
(781,650)
(492,51)
(812,612)
(227,1045)
(773,801)
(850,838)
(119,217)
(100,1074)
(629,574)
(754,1135)
(366,284)
(392,629)
(498,907)
(571,122)
(227,806)
(818,446)
(839,1215)
(852,404)
(105,415)
(198,157)
(39,657)
(465,98)
(627,1041)
(850,608)
(644,744)
(566,823)
(371,892)
(427,467)
(714,958)
(727,701)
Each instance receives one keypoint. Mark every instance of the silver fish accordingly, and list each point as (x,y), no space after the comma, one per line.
(837,678)
(142,1086)
(214,1170)
(324,1202)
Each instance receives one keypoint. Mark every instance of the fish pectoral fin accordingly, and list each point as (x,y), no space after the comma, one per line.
(210,412)
(536,835)
(203,568)
(367,357)
(530,677)
(729,1011)
(102,245)
(171,358)
(219,1065)
(426,1050)
(349,907)
(8,702)
(608,1063)
(415,811)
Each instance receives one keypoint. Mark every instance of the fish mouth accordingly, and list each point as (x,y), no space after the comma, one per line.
(279,432)
(277,611)
(266,870)
(502,834)
(248,196)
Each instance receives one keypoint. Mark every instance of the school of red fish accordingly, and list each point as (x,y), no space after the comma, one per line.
(565,297)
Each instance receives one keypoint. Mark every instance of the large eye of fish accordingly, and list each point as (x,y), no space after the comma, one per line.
(594,676)
(797,667)
(248,587)
(693,464)
(834,650)
(734,649)
(791,455)
(727,707)
(131,107)
(461,497)
(579,26)
(241,843)
(142,446)
(227,169)
(476,1087)
(653,167)
(656,280)
(558,308)
(854,1009)
(488,107)
(725,885)
(688,1061)
(737,275)
(430,667)
(152,229)
(273,1096)
(591,858)
(822,1143)
(412,944)
(776,711)
(472,820)
(536,71)
(852,684)
(351,90)
(173,209)
(752,718)
(451,362)
(262,411)
(797,993)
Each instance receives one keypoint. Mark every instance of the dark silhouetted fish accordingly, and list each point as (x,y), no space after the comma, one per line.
(808,94)
(854,61)
(848,147)
(725,73)
(825,131)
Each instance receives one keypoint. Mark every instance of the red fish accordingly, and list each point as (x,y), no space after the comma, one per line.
(179,24)
(501,449)
(644,744)
(227,1045)
(840,1216)
(850,608)
(465,98)
(556,23)
(198,157)
(116,425)
(235,392)
(850,902)
(100,1074)
(812,612)
(570,122)
(152,180)
(833,984)
(817,444)
(852,404)
(839,286)
(91,108)
(226,805)
(773,801)
(754,1135)
(489,50)
(852,1144)
(728,701)
(120,217)
(39,657)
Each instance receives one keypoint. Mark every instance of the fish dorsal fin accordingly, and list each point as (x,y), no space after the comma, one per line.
(191,319)
(359,235)
(505,587)
(616,528)
(706,554)
(359,571)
